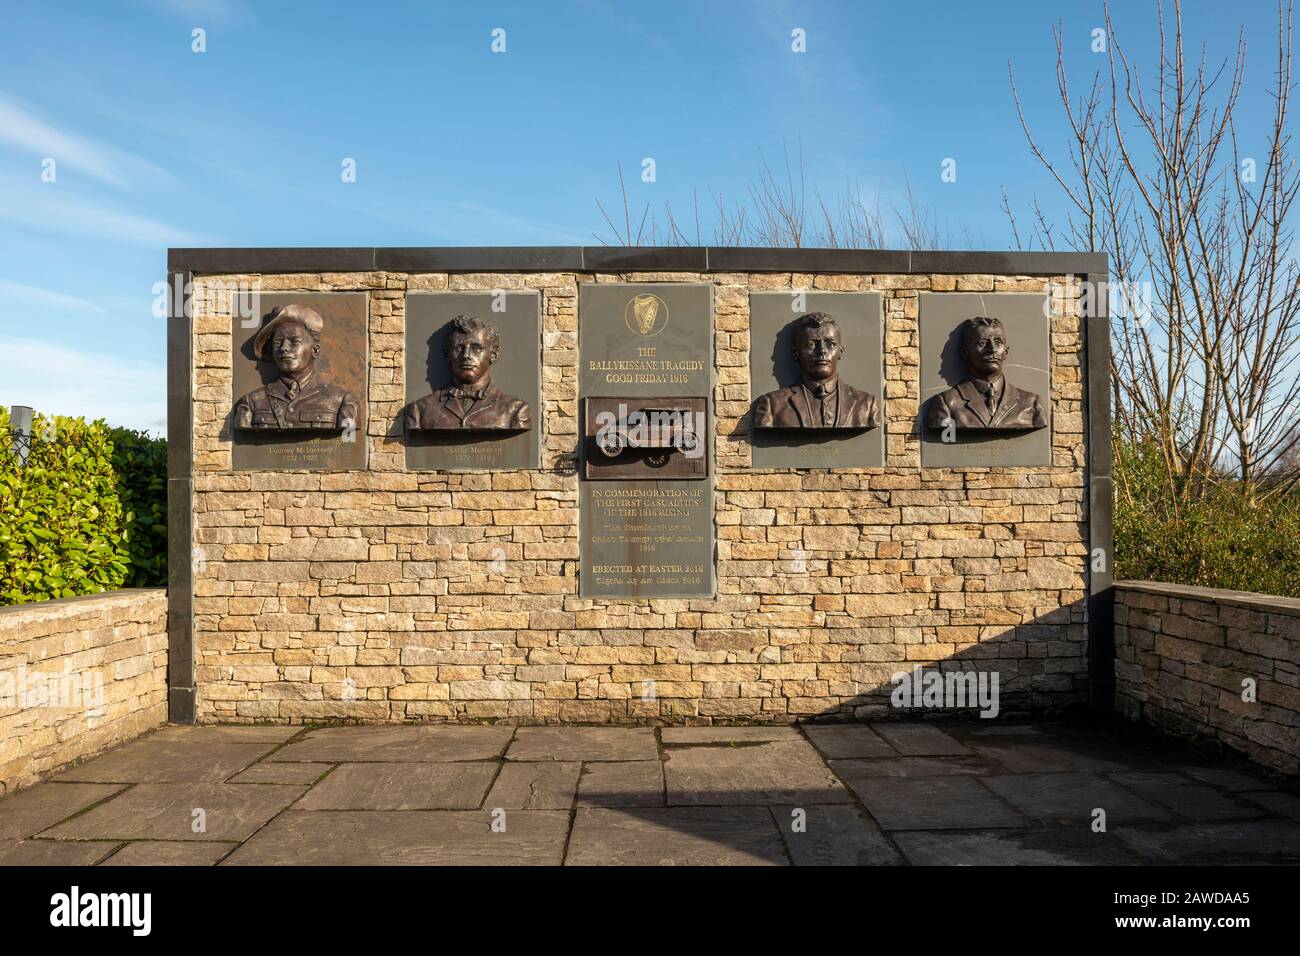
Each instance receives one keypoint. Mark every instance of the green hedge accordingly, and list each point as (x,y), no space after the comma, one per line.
(1217,537)
(87,514)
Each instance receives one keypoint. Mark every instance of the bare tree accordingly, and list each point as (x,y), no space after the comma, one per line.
(777,210)
(1205,288)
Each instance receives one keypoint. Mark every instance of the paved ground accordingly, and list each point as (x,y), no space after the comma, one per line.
(880,794)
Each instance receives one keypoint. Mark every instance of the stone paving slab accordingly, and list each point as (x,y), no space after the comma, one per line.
(848,740)
(635,783)
(537,785)
(584,743)
(1286,804)
(284,772)
(1225,778)
(726,735)
(1221,843)
(764,773)
(407,838)
(920,740)
(934,803)
(165,811)
(227,733)
(1193,801)
(53,852)
(402,786)
(1055,846)
(1054,756)
(833,835)
(908,767)
(169,853)
(155,760)
(675,836)
(397,744)
(28,812)
(1071,798)
(992,728)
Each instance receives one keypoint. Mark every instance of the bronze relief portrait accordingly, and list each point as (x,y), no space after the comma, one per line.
(985,400)
(821,399)
(472,402)
(298,398)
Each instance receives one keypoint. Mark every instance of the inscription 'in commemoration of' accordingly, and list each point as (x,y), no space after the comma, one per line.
(641,535)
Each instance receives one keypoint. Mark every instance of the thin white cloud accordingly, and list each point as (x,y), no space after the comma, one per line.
(21,128)
(204,12)
(54,208)
(18,297)
(59,380)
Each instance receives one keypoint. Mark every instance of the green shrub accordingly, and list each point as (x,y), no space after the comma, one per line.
(87,514)
(61,520)
(141,466)
(1216,535)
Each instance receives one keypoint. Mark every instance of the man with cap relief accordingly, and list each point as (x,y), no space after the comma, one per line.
(299,399)
(821,399)
(471,401)
(985,401)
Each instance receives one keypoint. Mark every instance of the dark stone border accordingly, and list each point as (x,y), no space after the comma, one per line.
(629,259)
(180,499)
(184,263)
(1101,497)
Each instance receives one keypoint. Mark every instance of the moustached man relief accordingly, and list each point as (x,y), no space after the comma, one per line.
(820,399)
(985,401)
(471,402)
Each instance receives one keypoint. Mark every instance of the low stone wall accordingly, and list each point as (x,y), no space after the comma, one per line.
(77,676)
(1222,665)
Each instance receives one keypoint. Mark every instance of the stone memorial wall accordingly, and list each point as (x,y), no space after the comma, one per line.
(569,514)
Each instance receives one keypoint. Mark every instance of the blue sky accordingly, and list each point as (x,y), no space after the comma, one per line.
(242,145)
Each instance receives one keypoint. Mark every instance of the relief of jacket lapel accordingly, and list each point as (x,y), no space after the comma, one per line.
(974,401)
(795,392)
(841,411)
(447,398)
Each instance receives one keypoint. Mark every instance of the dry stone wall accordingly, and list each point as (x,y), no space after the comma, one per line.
(77,676)
(1222,666)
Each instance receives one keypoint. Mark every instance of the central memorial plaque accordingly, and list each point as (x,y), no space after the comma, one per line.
(645,382)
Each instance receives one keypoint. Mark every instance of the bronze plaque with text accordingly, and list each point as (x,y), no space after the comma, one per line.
(645,354)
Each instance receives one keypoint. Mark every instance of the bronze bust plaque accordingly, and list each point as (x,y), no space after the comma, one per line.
(298,389)
(985,401)
(985,380)
(473,381)
(299,398)
(820,399)
(816,372)
(471,402)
